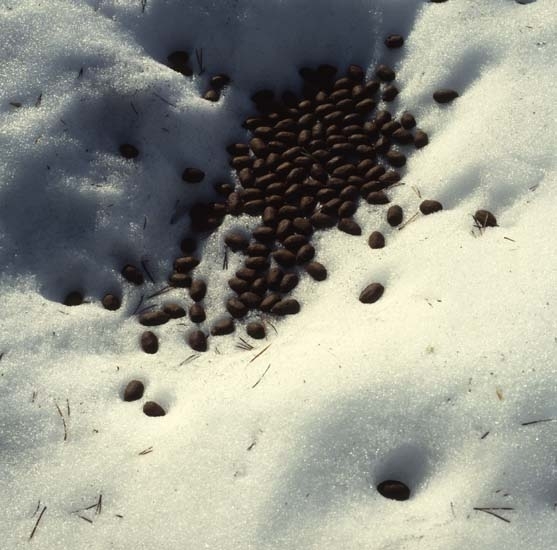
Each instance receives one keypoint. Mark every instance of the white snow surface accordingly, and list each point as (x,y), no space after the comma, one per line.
(462,344)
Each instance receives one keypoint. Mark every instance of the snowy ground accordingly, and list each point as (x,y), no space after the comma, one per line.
(461,345)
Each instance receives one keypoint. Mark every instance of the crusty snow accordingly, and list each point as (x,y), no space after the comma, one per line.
(431,385)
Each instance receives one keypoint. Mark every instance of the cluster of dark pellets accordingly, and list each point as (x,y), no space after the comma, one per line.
(308,164)
(134,391)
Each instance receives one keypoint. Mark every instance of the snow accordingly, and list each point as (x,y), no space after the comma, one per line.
(462,344)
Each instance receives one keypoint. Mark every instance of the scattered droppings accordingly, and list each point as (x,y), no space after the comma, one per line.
(376,240)
(394,41)
(197,340)
(421,139)
(174,311)
(317,271)
(445,95)
(430,207)
(111,302)
(154,318)
(134,390)
(128,151)
(198,290)
(394,215)
(149,342)
(74,298)
(132,274)
(193,175)
(256,330)
(153,409)
(484,218)
(394,490)
(197,313)
(179,62)
(222,327)
(371,293)
(288,306)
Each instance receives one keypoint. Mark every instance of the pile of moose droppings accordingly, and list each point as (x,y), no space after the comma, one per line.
(308,162)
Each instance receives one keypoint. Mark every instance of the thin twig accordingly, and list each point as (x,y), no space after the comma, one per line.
(68,407)
(146,308)
(225,259)
(509,239)
(63,421)
(144,266)
(80,74)
(37,523)
(260,353)
(164,100)
(189,359)
(537,421)
(86,519)
(99,507)
(199,57)
(139,304)
(261,377)
(33,396)
(163,290)
(484,435)
(146,451)
(37,508)
(39,100)
(133,108)
(409,220)
(244,345)
(144,222)
(485,511)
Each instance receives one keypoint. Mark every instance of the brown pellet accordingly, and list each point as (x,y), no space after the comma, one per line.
(197,340)
(257,263)
(389,93)
(222,327)
(111,302)
(371,293)
(305,254)
(320,220)
(349,226)
(236,241)
(132,274)
(402,136)
(174,311)
(154,318)
(250,299)
(376,240)
(197,313)
(288,306)
(421,139)
(236,308)
(484,218)
(179,62)
(134,390)
(263,234)
(180,280)
(74,298)
(385,73)
(394,41)
(153,409)
(256,330)
(396,158)
(377,197)
(407,121)
(394,215)
(149,342)
(284,257)
(211,95)
(288,282)
(238,285)
(316,271)
(430,206)
(193,175)
(128,151)
(269,301)
(391,489)
(185,264)
(198,289)
(445,95)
